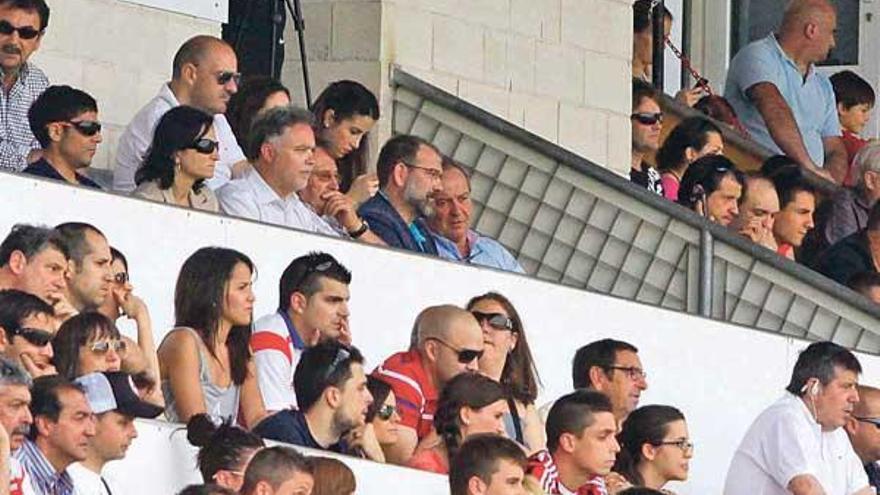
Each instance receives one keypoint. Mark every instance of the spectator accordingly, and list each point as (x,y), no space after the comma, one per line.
(717,108)
(654,447)
(757,211)
(332,477)
(205,363)
(451,224)
(853,254)
(613,368)
(278,471)
(322,188)
(312,306)
(28,325)
(469,404)
(647,124)
(206,489)
(449,342)
(693,138)
(866,284)
(712,187)
(797,202)
(65,122)
(785,449)
(63,426)
(23,81)
(855,100)
(33,259)
(863,429)
(507,358)
(256,94)
(849,208)
(345,112)
(182,156)
(382,414)
(224,450)
(15,419)
(784,103)
(581,447)
(204,76)
(332,395)
(113,400)
(88,274)
(86,343)
(409,171)
(487,465)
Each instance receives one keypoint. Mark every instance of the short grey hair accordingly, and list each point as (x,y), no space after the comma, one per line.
(12,374)
(867,160)
(272,123)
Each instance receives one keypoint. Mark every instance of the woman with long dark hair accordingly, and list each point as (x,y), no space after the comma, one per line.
(86,343)
(692,139)
(181,158)
(256,94)
(205,362)
(508,360)
(224,450)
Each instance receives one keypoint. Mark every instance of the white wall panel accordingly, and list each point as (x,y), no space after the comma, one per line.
(214,10)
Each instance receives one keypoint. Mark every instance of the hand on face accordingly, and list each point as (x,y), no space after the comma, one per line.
(340,207)
(37,367)
(64,310)
(363,188)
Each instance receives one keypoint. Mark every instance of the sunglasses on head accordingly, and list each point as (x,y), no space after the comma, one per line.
(646,118)
(465,356)
(104,346)
(204,145)
(25,32)
(497,321)
(224,77)
(86,127)
(35,336)
(385,412)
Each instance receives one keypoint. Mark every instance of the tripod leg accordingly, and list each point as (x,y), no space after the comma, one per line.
(299,25)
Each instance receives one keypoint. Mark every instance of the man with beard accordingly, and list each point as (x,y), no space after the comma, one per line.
(15,418)
(409,170)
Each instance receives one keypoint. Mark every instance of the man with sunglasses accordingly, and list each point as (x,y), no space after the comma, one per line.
(863,428)
(205,76)
(22,24)
(613,368)
(65,122)
(28,324)
(647,124)
(449,341)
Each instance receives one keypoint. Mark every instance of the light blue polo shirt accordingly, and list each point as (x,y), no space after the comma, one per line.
(811,101)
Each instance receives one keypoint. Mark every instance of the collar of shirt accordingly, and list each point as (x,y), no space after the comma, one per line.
(799,404)
(23,73)
(42,472)
(297,341)
(264,194)
(166,95)
(775,43)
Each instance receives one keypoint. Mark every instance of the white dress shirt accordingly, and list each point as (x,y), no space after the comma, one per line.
(86,481)
(138,136)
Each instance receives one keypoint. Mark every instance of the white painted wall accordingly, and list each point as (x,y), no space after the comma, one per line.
(721,376)
(214,10)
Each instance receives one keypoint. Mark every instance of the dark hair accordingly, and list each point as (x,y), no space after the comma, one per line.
(707,172)
(207,489)
(347,99)
(303,275)
(199,297)
(787,177)
(327,364)
(76,332)
(116,254)
(471,390)
(601,353)
(400,148)
(332,477)
(479,456)
(73,237)
(379,390)
(46,398)
(57,104)
(177,130)
(863,282)
(520,375)
(274,465)
(640,91)
(851,90)
(572,413)
(193,51)
(818,360)
(16,305)
(647,424)
(33,5)
(247,102)
(271,124)
(642,11)
(692,132)
(221,447)
(30,240)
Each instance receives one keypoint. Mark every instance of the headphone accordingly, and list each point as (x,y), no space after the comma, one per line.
(813,386)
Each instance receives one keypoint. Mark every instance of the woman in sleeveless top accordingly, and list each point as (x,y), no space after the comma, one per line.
(508,359)
(205,362)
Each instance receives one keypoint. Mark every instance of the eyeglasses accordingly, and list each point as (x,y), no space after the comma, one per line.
(633,372)
(121,278)
(465,356)
(327,175)
(35,336)
(86,127)
(873,421)
(25,32)
(684,444)
(385,412)
(497,321)
(104,346)
(342,354)
(646,118)
(204,146)
(225,76)
(433,173)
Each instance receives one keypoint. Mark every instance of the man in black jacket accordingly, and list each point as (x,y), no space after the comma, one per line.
(854,254)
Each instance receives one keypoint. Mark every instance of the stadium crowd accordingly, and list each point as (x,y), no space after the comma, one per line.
(461,400)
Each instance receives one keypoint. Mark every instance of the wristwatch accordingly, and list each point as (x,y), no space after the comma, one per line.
(360,230)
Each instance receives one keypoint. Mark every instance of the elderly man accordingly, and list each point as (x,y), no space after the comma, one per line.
(15,419)
(850,207)
(863,428)
(204,75)
(782,100)
(451,221)
(613,368)
(757,212)
(854,254)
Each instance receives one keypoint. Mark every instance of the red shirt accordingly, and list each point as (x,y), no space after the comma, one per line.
(853,143)
(543,468)
(416,395)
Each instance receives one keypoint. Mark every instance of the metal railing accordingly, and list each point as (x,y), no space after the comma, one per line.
(571,221)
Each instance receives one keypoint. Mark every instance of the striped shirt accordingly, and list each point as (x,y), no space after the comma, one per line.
(543,469)
(415,392)
(44,478)
(16,138)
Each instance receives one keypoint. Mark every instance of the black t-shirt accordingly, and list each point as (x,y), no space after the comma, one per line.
(290,426)
(648,177)
(42,168)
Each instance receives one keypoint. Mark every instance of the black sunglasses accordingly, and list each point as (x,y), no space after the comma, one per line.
(645,118)
(224,77)
(497,321)
(465,356)
(873,421)
(86,127)
(204,145)
(385,412)
(25,33)
(35,336)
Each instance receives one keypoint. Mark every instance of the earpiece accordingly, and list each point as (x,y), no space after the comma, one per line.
(814,390)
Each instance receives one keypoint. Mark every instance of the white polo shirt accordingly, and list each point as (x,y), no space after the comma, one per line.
(276,355)
(785,441)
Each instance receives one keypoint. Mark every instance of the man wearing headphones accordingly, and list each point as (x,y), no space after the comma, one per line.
(797,445)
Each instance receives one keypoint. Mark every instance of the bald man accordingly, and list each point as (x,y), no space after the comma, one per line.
(448,342)
(863,428)
(759,205)
(782,100)
(204,75)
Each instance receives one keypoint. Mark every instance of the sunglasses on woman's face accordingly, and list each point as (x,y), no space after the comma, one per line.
(35,336)
(104,346)
(204,145)
(385,412)
(497,321)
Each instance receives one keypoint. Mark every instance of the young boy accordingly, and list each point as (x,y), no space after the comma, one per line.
(855,100)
